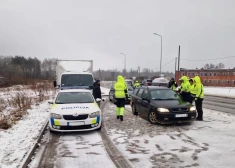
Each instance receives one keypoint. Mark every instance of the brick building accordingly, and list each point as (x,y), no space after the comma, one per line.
(210,77)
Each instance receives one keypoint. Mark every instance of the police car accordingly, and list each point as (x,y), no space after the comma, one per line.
(74,110)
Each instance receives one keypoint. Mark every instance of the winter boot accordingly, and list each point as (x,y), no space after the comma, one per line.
(121,118)
(118,117)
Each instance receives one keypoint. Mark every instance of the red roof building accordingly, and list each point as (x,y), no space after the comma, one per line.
(210,77)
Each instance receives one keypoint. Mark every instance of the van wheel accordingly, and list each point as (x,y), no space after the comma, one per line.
(152,117)
(134,110)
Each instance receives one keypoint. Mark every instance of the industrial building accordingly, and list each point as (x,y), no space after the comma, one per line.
(210,77)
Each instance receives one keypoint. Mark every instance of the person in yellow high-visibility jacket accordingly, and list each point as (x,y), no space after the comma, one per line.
(199,91)
(137,84)
(192,87)
(120,89)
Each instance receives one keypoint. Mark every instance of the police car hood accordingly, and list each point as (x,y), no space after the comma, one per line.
(66,109)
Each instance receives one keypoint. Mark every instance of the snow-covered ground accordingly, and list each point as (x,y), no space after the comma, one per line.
(17,141)
(202,144)
(105,91)
(220,91)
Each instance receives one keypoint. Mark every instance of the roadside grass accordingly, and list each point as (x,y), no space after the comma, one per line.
(17,100)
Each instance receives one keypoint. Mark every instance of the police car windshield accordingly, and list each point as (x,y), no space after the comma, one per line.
(164,94)
(74,97)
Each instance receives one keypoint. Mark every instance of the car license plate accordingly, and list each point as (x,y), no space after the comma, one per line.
(76,123)
(181,115)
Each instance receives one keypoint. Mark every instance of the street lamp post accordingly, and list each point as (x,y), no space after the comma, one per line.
(161,53)
(124,63)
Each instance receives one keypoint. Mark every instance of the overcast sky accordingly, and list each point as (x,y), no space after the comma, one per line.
(102,29)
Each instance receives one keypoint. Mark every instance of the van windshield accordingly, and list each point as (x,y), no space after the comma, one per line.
(77,80)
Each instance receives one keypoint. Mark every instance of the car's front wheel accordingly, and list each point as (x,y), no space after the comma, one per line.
(134,110)
(152,117)
(110,97)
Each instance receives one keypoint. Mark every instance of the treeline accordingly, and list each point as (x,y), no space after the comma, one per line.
(145,73)
(18,69)
(22,70)
(213,66)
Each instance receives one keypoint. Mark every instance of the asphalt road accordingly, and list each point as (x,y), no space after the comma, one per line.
(222,104)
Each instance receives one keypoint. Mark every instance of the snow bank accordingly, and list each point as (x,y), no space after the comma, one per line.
(105,91)
(220,91)
(17,141)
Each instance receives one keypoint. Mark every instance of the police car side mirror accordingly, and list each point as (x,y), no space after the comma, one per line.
(98,100)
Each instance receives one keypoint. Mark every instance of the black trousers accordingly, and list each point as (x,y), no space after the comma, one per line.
(187,97)
(120,102)
(198,103)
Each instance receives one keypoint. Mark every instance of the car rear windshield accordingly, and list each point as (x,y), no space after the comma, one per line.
(164,94)
(74,97)
(129,82)
(130,88)
(77,80)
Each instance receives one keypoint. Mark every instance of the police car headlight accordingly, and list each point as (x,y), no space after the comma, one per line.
(95,114)
(56,116)
(192,108)
(163,110)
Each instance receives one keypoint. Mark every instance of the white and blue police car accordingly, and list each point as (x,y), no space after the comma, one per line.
(74,110)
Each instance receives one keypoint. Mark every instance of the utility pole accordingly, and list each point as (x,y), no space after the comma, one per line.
(175,66)
(179,59)
(139,71)
(99,74)
(124,64)
(35,67)
(161,53)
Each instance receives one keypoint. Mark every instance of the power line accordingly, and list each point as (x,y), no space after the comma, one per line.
(166,64)
(210,59)
(169,62)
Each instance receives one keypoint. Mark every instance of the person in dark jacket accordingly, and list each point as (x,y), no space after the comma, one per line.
(172,84)
(97,90)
